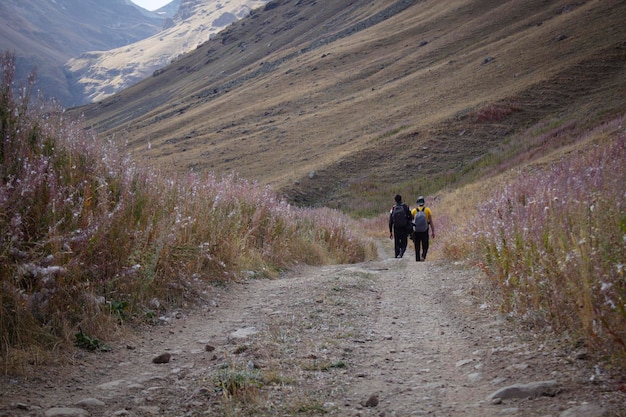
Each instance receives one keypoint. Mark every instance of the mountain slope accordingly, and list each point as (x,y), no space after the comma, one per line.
(99,74)
(324,100)
(45,34)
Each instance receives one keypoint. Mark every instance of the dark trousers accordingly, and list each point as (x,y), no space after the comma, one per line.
(400,241)
(420,239)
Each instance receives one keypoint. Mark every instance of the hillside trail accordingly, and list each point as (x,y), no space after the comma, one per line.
(390,337)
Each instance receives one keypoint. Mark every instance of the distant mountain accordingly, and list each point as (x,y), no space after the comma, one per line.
(170,9)
(101,73)
(45,34)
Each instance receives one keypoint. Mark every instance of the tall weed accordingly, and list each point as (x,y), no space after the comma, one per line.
(553,242)
(89,239)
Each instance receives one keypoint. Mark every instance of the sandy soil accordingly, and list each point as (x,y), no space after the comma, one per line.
(392,337)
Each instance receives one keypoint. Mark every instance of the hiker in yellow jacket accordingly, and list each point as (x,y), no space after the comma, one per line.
(422,221)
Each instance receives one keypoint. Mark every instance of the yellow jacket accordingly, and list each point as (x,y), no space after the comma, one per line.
(425,210)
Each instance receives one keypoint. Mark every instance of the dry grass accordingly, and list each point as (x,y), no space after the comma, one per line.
(91,240)
(550,238)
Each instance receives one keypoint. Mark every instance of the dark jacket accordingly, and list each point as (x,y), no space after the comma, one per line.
(409,217)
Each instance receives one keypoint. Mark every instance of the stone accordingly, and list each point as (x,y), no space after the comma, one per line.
(464,362)
(475,377)
(162,358)
(531,390)
(66,412)
(90,402)
(585,410)
(112,385)
(372,401)
(243,333)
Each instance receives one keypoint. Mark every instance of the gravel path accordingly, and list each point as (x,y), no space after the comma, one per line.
(391,337)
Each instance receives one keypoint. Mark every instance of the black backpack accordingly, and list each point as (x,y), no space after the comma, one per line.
(399,216)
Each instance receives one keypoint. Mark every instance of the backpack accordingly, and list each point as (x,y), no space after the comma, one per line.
(399,216)
(420,222)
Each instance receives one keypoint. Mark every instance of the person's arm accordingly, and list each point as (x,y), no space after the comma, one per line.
(432,225)
(391,224)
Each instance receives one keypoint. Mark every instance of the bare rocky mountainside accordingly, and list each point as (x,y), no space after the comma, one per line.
(324,99)
(85,50)
(99,74)
(45,34)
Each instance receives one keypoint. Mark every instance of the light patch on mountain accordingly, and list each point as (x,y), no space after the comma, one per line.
(100,74)
(43,35)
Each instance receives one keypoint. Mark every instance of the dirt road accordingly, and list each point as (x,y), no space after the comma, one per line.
(392,337)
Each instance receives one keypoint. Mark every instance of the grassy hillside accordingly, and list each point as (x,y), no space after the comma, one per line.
(327,102)
(548,233)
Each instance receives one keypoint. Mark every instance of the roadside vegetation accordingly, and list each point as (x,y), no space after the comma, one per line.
(90,240)
(550,234)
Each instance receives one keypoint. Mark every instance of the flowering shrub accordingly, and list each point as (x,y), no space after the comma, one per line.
(89,239)
(495,112)
(553,242)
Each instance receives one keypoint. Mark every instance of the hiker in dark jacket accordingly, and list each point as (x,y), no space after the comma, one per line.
(399,223)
